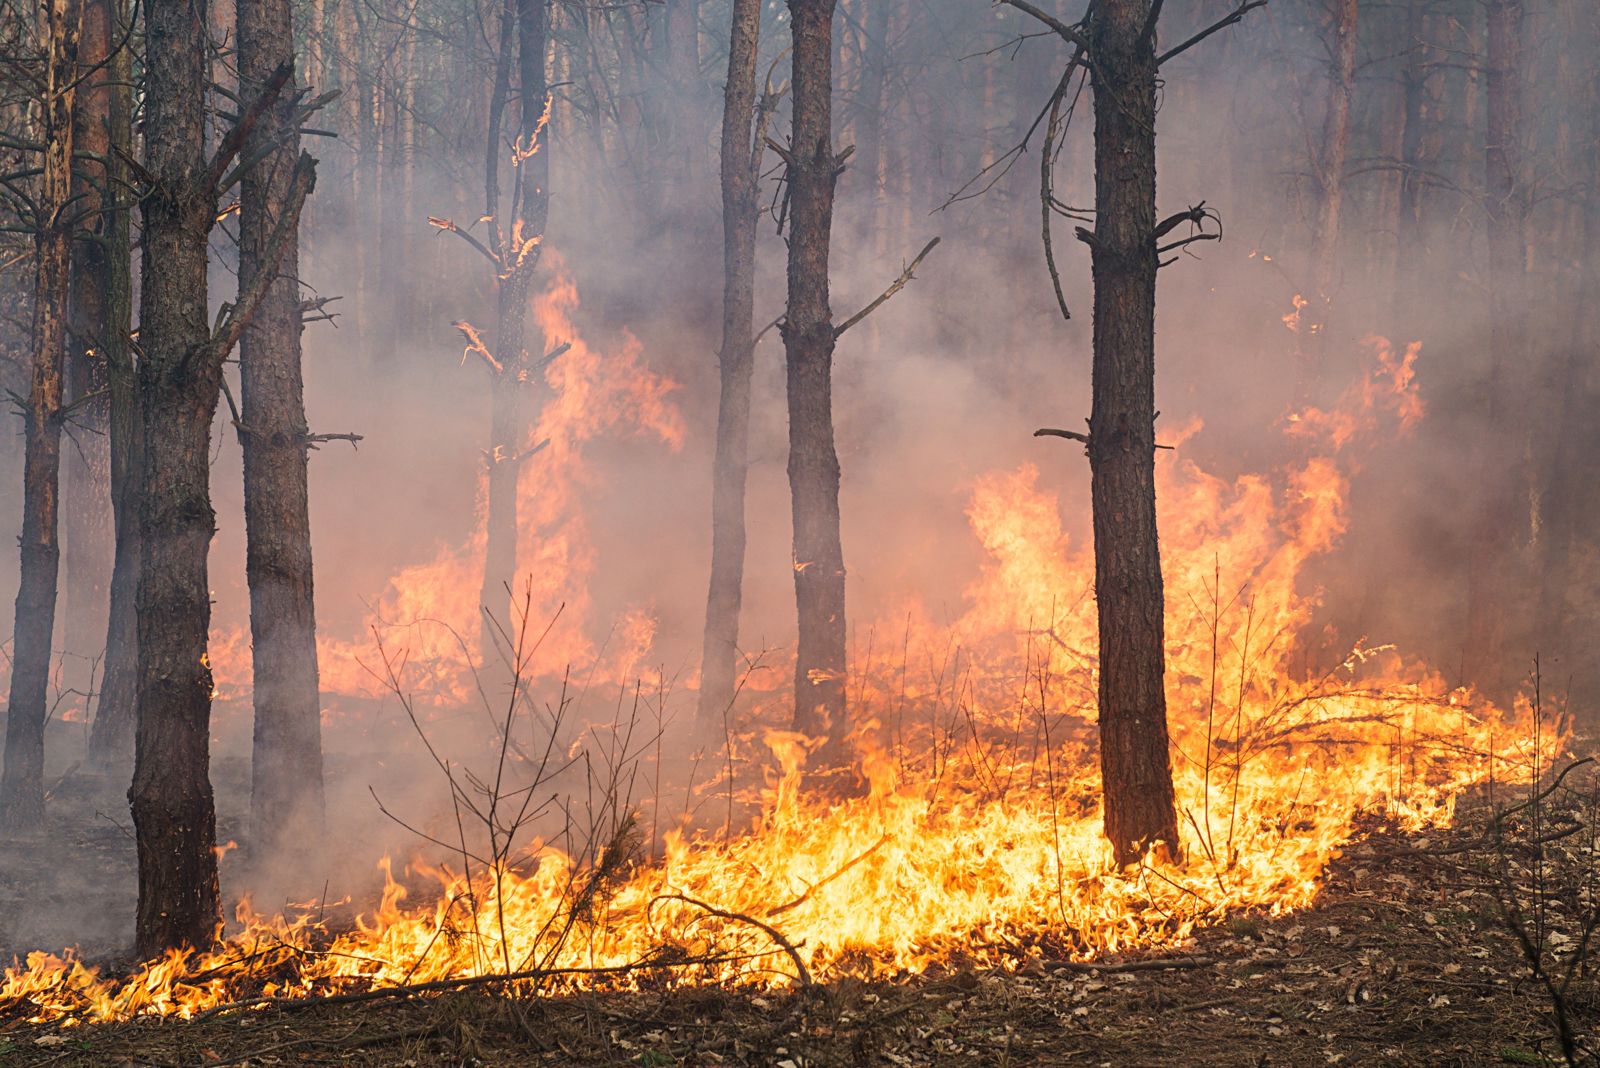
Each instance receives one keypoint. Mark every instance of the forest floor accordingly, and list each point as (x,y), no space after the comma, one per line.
(1407,958)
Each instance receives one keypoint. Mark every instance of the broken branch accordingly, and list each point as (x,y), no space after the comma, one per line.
(894,287)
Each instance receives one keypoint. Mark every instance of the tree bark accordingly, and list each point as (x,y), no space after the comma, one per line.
(22,783)
(741,161)
(171,797)
(517,378)
(111,736)
(286,766)
(1134,762)
(808,338)
(1502,439)
(86,498)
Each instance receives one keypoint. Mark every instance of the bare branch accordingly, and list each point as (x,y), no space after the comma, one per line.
(239,316)
(1072,33)
(1244,8)
(896,286)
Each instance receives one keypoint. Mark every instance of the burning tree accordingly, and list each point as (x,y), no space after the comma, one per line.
(1115,42)
(513,249)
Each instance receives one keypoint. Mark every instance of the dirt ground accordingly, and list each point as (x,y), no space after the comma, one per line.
(1408,958)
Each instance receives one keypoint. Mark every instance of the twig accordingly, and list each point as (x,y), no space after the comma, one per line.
(803,898)
(804,975)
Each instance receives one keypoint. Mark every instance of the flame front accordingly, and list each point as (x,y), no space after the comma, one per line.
(980,838)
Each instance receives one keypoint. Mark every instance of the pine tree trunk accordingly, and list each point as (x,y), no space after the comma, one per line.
(740,208)
(86,468)
(1134,762)
(1502,439)
(808,338)
(173,814)
(111,736)
(518,379)
(286,766)
(22,783)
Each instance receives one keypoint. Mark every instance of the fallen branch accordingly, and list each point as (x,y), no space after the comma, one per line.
(803,974)
(1159,965)
(407,990)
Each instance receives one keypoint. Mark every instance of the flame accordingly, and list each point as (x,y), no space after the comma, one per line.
(980,838)
(432,608)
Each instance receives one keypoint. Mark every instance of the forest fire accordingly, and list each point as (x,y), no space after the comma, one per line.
(930,590)
(979,839)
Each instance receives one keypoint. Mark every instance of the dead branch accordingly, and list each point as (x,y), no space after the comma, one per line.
(814,887)
(311,441)
(1070,33)
(239,315)
(803,974)
(1244,8)
(231,145)
(448,226)
(475,346)
(894,287)
(1161,965)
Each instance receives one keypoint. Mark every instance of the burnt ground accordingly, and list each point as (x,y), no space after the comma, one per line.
(1408,958)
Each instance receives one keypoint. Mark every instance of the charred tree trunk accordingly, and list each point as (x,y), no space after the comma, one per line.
(1311,340)
(86,497)
(517,377)
(111,736)
(741,162)
(22,783)
(173,813)
(1134,762)
(180,376)
(1502,440)
(286,765)
(808,338)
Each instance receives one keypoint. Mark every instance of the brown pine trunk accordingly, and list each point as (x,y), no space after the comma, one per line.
(111,736)
(518,379)
(1502,440)
(740,207)
(808,338)
(171,796)
(22,783)
(86,467)
(286,766)
(1134,762)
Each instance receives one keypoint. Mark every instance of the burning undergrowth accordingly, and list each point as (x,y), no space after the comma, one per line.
(978,835)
